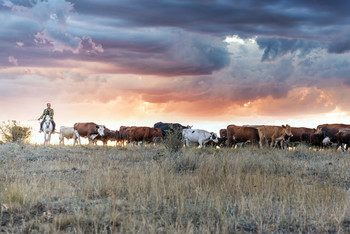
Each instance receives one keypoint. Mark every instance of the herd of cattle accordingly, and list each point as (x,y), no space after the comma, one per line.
(260,135)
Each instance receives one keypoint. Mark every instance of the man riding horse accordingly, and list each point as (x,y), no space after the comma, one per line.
(48,111)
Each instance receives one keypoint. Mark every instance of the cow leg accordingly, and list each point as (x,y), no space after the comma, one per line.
(62,140)
(233,142)
(275,144)
(228,142)
(282,144)
(200,144)
(260,143)
(76,137)
(92,139)
(342,147)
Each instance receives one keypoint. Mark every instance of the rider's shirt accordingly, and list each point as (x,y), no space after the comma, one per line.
(47,112)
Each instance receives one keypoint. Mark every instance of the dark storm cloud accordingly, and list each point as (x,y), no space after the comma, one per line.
(340,47)
(221,17)
(280,45)
(275,48)
(149,51)
(283,26)
(197,56)
(136,30)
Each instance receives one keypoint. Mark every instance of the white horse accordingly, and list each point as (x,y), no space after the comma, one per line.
(47,129)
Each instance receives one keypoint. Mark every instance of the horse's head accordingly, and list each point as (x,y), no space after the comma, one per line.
(47,122)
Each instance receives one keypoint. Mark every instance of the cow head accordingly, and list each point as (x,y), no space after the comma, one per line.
(317,130)
(157,132)
(156,139)
(214,137)
(322,130)
(157,135)
(100,130)
(287,130)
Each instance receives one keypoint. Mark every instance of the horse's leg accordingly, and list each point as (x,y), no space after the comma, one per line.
(44,138)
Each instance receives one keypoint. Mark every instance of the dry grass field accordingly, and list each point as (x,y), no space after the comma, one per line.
(95,189)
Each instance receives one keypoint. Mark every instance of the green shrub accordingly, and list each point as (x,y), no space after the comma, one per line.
(12,131)
(173,140)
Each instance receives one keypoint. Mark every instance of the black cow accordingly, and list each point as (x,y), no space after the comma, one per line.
(170,127)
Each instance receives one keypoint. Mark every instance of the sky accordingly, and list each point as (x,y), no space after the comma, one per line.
(203,63)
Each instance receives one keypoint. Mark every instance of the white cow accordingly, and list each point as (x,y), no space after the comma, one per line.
(199,136)
(69,133)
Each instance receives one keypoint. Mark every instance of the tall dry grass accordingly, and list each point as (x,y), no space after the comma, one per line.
(59,189)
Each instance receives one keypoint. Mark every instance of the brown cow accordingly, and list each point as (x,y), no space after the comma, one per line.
(222,139)
(343,137)
(122,133)
(298,132)
(144,134)
(236,134)
(109,135)
(223,133)
(331,129)
(274,134)
(89,130)
(301,134)
(315,138)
